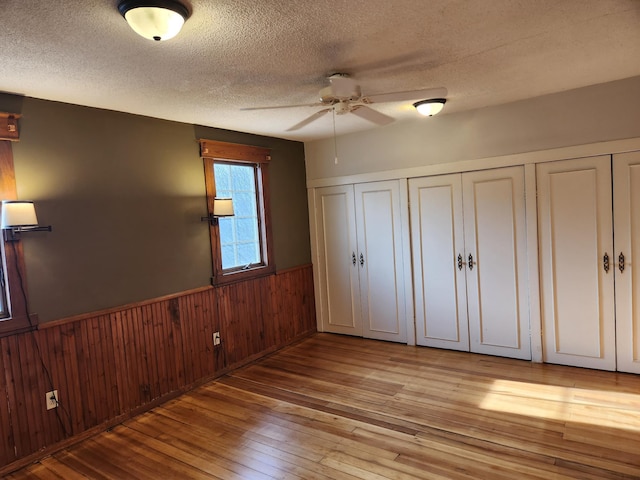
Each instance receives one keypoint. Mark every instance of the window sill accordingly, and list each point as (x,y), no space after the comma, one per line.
(14,326)
(243,275)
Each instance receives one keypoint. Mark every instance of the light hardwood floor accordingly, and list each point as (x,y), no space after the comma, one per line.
(337,407)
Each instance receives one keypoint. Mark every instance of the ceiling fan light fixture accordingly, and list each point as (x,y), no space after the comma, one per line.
(156,20)
(431,107)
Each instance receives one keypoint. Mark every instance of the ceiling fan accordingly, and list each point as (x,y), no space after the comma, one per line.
(343,95)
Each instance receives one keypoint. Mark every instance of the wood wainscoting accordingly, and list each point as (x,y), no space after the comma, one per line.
(110,365)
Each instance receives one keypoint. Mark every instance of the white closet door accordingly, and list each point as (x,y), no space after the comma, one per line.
(495,238)
(626,207)
(437,239)
(337,265)
(379,233)
(575,228)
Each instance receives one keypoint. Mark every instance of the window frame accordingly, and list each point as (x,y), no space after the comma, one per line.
(232,153)
(12,253)
(261,240)
(5,308)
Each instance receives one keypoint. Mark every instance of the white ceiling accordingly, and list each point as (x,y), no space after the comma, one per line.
(243,53)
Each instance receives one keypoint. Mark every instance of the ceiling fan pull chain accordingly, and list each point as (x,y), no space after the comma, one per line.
(335,140)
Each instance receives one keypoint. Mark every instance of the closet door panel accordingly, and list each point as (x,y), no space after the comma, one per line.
(626,207)
(437,239)
(379,232)
(494,226)
(575,228)
(338,270)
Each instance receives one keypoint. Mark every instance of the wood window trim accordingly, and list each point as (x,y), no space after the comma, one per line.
(13,257)
(212,151)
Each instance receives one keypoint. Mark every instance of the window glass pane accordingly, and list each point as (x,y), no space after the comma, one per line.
(247,230)
(239,238)
(229,255)
(244,204)
(242,178)
(247,253)
(227,231)
(223,178)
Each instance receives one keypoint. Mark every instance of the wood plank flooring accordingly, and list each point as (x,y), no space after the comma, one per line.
(337,407)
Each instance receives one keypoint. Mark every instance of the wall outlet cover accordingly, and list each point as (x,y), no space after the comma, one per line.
(52,399)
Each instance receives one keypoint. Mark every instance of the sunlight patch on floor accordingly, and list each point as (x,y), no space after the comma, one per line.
(565,404)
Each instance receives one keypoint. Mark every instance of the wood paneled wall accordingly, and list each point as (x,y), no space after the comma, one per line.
(111,365)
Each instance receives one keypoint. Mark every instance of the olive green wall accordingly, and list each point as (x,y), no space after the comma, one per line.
(124,195)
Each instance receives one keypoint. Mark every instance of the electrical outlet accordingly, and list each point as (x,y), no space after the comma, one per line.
(52,399)
(216,339)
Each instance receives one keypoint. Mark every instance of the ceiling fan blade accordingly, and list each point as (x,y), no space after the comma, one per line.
(372,115)
(284,106)
(408,95)
(308,120)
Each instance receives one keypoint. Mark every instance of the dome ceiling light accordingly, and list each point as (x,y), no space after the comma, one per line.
(156,20)
(429,108)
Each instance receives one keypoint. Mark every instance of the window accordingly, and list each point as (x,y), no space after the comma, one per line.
(239,239)
(241,244)
(13,318)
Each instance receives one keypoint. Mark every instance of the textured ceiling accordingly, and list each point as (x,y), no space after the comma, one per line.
(242,53)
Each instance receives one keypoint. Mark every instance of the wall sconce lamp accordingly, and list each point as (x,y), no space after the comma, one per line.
(18,217)
(222,207)
(431,107)
(154,19)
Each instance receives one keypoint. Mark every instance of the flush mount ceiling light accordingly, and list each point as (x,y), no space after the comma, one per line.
(431,107)
(156,20)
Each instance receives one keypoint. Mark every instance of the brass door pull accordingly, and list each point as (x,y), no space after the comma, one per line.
(471,262)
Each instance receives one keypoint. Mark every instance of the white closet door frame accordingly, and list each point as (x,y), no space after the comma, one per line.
(337,260)
(578,316)
(497,277)
(437,239)
(626,208)
(380,260)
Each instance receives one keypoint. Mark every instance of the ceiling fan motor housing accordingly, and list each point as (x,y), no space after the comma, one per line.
(339,92)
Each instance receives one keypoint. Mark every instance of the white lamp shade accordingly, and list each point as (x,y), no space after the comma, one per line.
(223,207)
(18,214)
(429,108)
(156,20)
